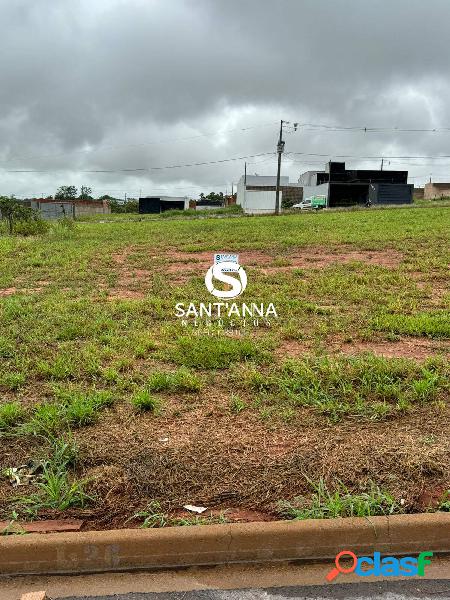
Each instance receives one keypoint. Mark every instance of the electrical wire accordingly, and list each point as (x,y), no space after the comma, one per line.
(320,126)
(142,169)
(288,128)
(143,144)
(386,157)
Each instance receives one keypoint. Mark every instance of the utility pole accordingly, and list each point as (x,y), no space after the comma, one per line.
(280,149)
(245,173)
(382,163)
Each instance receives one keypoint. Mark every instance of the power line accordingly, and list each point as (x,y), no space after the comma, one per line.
(143,144)
(368,157)
(142,169)
(319,126)
(304,126)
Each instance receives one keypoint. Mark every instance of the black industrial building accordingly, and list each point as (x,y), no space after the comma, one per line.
(347,187)
(158,204)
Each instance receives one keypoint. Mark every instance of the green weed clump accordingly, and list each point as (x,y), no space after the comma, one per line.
(57,488)
(12,381)
(216,352)
(197,520)
(73,409)
(367,386)
(430,324)
(11,413)
(444,504)
(82,409)
(154,516)
(46,419)
(237,405)
(145,401)
(326,504)
(182,380)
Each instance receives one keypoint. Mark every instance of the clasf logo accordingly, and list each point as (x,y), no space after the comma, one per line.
(388,566)
(223,264)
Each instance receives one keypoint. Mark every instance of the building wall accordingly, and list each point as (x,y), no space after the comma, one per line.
(391,193)
(53,210)
(207,206)
(291,193)
(260,202)
(433,191)
(240,192)
(262,189)
(157,204)
(91,208)
(183,199)
(308,178)
(58,209)
(315,190)
(264,180)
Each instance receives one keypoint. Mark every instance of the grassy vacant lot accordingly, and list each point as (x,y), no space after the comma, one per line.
(115,411)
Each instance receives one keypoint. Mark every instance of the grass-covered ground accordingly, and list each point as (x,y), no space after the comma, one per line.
(117,409)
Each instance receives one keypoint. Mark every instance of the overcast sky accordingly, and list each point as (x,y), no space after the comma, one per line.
(136,84)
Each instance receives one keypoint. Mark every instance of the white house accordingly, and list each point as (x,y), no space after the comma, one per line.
(257,193)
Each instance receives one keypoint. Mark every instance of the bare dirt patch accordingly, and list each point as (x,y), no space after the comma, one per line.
(436,291)
(180,266)
(292,348)
(8,291)
(13,290)
(187,264)
(413,348)
(316,258)
(132,282)
(124,294)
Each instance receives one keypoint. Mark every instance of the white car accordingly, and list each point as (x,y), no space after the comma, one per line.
(312,203)
(304,205)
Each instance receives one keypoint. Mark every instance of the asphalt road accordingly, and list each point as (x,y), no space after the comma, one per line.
(384,590)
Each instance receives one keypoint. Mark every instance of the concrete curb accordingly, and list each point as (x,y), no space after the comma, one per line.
(132,549)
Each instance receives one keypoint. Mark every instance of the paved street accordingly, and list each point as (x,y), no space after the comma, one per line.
(269,581)
(384,590)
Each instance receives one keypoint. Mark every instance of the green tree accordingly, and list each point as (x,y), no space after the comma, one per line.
(85,193)
(14,211)
(213,198)
(131,205)
(115,206)
(66,192)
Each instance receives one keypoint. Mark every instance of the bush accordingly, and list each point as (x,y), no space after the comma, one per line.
(132,206)
(32,227)
(20,218)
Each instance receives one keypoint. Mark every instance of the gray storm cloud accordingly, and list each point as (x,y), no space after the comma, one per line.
(111,85)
